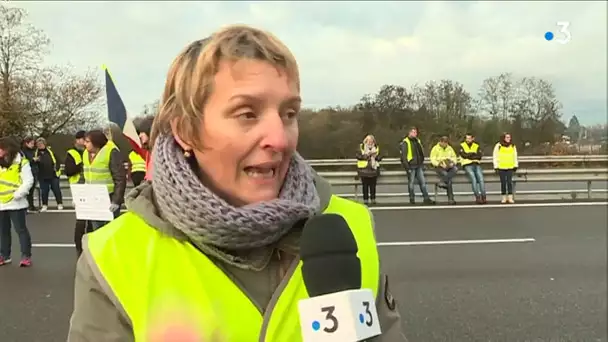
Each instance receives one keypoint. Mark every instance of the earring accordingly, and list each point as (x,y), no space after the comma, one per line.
(187,154)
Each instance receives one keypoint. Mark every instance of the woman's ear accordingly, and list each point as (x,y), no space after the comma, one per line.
(183,144)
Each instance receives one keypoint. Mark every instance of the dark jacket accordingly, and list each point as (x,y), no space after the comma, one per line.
(472,156)
(417,153)
(119,176)
(29,154)
(368,171)
(47,168)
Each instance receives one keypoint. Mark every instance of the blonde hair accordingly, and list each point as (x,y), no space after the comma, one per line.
(190,78)
(369,136)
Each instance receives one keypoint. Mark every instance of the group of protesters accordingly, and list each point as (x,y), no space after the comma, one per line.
(93,159)
(445,161)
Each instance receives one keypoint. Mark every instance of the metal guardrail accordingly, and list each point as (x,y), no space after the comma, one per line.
(523,175)
(484,160)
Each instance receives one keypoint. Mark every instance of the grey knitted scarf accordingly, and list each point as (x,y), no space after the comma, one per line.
(206,218)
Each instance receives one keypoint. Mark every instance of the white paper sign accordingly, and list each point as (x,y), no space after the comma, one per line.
(346,316)
(91,202)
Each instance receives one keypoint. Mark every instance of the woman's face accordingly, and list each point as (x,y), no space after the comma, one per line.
(88,145)
(249,131)
(508,138)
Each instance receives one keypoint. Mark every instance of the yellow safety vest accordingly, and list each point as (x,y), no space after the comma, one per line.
(506,157)
(98,172)
(410,152)
(138,164)
(10,180)
(152,288)
(362,164)
(77,160)
(472,149)
(48,148)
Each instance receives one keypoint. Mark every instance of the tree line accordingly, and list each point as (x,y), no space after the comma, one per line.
(54,102)
(41,100)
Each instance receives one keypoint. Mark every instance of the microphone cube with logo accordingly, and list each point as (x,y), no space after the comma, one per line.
(345,316)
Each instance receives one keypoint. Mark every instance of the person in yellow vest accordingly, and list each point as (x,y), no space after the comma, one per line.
(470,159)
(368,167)
(444,160)
(138,168)
(16,179)
(209,248)
(104,164)
(73,169)
(48,174)
(505,162)
(412,160)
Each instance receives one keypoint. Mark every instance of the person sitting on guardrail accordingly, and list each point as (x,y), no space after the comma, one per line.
(48,174)
(29,149)
(470,159)
(444,159)
(412,160)
(15,182)
(505,162)
(210,247)
(368,167)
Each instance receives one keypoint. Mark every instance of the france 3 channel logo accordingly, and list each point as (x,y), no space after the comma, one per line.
(563,36)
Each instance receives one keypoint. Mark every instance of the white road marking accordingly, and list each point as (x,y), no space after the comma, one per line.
(489,206)
(452,242)
(380,244)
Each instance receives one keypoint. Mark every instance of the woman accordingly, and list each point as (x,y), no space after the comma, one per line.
(505,164)
(15,182)
(368,167)
(104,164)
(48,174)
(210,245)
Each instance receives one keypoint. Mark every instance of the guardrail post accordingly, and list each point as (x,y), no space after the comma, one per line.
(356,192)
(589,189)
(435,194)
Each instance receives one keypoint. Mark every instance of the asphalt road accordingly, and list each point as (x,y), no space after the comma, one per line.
(551,287)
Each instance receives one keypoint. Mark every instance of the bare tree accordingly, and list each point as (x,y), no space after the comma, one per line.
(22,47)
(60,101)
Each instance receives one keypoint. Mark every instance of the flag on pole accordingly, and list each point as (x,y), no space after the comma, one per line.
(117,113)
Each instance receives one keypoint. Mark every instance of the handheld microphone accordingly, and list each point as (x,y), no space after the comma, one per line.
(338,310)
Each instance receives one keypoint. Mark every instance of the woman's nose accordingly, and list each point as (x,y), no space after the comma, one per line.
(275,134)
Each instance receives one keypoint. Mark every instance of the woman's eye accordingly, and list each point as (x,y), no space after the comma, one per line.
(248,115)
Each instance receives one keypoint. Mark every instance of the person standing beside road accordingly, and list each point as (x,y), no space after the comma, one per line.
(470,160)
(28,150)
(412,160)
(104,164)
(505,162)
(73,169)
(444,159)
(16,179)
(209,248)
(368,167)
(138,163)
(48,174)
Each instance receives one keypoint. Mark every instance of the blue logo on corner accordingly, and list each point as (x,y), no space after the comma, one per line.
(361,318)
(316,325)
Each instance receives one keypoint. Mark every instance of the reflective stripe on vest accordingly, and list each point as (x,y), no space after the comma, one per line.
(77,160)
(98,171)
(506,157)
(410,151)
(138,164)
(362,164)
(48,149)
(472,149)
(10,180)
(188,286)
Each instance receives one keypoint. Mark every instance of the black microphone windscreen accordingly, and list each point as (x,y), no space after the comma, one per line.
(329,256)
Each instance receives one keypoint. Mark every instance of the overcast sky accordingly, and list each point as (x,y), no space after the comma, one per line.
(345,49)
